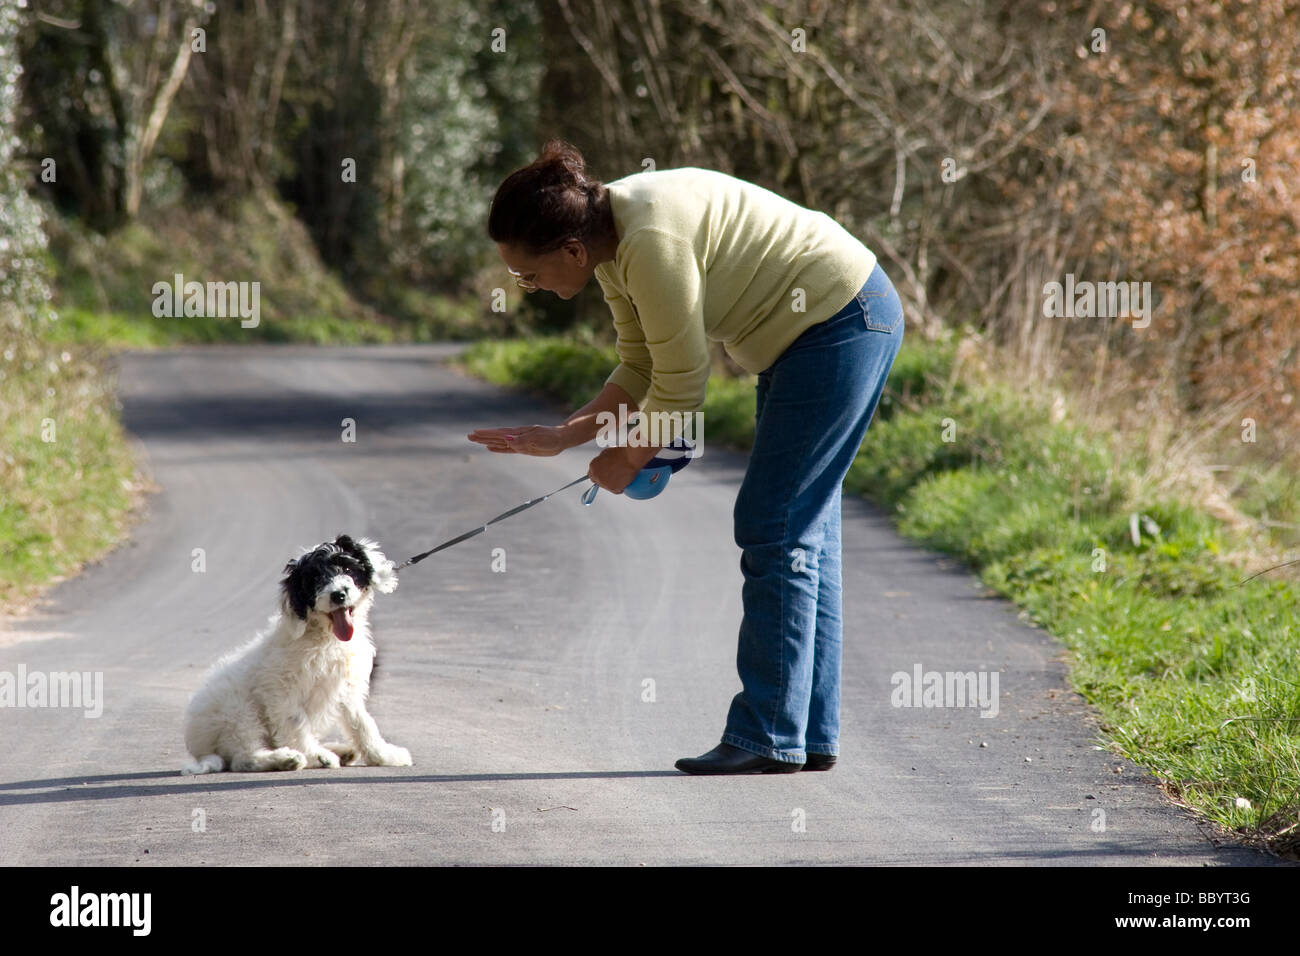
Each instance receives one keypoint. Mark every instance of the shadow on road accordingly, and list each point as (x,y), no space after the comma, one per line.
(82,788)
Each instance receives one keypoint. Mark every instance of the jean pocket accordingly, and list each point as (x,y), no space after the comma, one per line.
(880,311)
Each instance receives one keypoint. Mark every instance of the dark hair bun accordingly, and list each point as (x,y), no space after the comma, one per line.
(549,201)
(567,162)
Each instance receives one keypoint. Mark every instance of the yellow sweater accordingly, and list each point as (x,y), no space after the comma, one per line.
(703,255)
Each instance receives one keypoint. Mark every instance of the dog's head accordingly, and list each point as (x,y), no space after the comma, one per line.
(336,579)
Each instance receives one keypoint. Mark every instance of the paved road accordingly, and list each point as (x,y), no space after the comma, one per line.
(520,693)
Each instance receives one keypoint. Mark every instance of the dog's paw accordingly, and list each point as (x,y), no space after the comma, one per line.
(348,755)
(390,756)
(327,759)
(286,758)
(211,763)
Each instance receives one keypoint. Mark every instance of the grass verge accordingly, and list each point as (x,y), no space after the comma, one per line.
(67,479)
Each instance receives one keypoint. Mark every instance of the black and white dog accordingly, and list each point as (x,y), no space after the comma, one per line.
(263,706)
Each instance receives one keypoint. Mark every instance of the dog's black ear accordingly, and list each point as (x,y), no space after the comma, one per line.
(355,550)
(345,542)
(296,588)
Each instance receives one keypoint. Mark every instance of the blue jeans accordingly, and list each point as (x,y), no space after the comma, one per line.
(812,410)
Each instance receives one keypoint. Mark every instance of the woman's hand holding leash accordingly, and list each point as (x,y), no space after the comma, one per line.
(614,468)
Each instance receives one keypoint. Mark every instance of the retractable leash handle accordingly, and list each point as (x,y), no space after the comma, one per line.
(652,479)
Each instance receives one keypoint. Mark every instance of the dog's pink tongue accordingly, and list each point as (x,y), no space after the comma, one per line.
(341,621)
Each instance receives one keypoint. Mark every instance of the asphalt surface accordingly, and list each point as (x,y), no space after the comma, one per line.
(522,694)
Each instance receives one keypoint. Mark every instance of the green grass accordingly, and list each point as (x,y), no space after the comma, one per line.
(66,475)
(1195,678)
(77,326)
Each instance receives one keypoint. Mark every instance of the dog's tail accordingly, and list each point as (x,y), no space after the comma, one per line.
(212,763)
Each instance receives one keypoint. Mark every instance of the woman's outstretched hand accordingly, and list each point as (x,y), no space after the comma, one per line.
(525,440)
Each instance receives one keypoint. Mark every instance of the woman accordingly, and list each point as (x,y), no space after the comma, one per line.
(688,255)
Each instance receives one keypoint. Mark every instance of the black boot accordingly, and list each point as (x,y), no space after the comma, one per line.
(820,762)
(725,758)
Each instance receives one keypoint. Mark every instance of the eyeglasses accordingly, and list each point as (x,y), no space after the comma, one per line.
(526,284)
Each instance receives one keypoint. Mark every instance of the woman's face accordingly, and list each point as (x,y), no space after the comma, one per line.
(564,271)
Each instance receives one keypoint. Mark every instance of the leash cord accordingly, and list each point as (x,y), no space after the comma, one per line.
(484,527)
